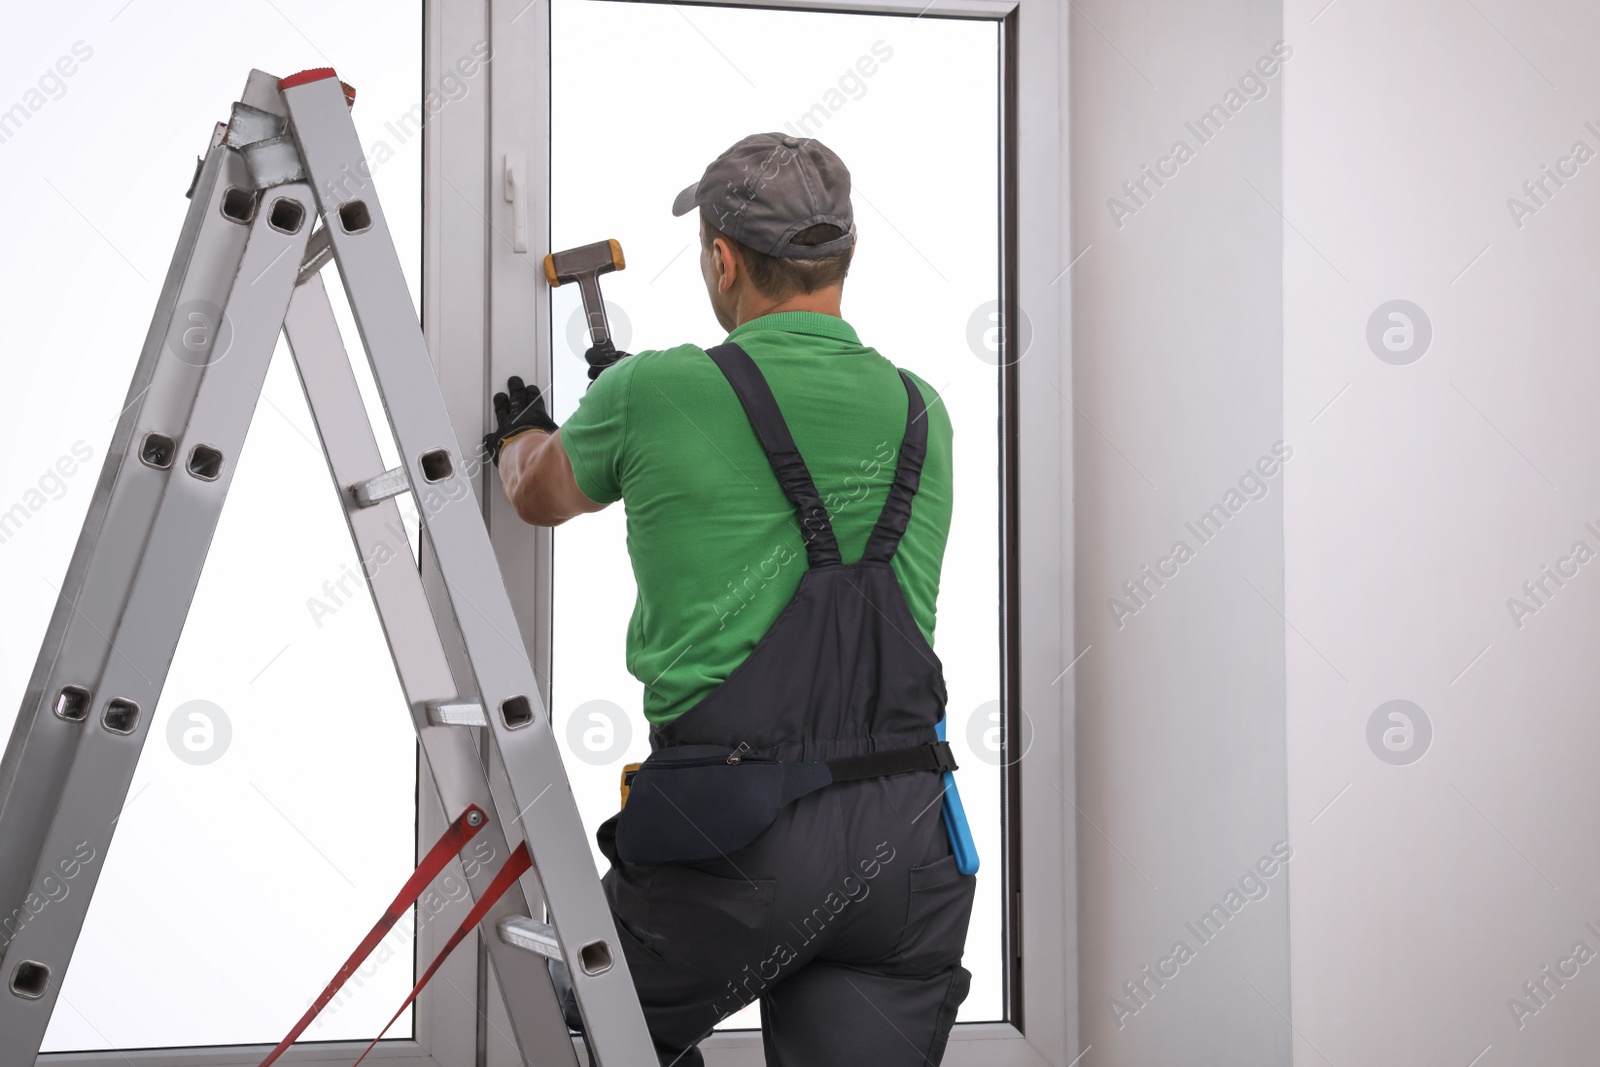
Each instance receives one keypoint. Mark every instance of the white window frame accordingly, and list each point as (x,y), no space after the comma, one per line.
(482,326)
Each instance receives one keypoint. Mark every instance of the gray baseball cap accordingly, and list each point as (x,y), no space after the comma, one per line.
(769,187)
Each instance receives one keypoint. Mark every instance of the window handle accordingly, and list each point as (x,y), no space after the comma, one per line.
(516,191)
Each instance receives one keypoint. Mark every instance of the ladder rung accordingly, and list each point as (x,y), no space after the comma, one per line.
(456,714)
(373,490)
(519,931)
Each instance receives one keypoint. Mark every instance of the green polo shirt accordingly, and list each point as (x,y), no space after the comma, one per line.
(715,545)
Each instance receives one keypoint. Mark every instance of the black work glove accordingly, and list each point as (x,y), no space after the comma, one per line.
(602,356)
(518,410)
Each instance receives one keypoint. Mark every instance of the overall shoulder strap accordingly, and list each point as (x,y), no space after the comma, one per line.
(822,548)
(896,512)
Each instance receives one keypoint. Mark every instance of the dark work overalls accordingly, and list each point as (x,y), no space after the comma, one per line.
(848,917)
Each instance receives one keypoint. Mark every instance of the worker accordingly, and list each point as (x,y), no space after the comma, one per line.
(788,498)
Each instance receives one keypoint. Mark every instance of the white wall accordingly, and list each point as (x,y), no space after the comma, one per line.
(1178,388)
(1441,859)
(1418,503)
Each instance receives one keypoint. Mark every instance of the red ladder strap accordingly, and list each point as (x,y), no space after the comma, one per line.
(463,830)
(514,868)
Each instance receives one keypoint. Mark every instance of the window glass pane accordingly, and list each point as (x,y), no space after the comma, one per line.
(911,105)
(234,888)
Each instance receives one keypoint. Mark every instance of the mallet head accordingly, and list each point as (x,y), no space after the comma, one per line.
(584,265)
(602,257)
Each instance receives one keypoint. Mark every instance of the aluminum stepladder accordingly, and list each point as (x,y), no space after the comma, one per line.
(247,266)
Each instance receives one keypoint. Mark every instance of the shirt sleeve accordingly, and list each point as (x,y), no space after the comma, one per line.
(596,436)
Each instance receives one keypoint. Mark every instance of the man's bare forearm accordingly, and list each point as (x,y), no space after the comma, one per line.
(538,480)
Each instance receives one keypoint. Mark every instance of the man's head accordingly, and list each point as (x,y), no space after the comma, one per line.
(776,226)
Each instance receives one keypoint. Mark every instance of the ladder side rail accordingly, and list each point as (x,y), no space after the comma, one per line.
(437,467)
(75,651)
(147,635)
(411,630)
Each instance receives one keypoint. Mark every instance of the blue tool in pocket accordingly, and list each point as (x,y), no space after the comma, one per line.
(955,822)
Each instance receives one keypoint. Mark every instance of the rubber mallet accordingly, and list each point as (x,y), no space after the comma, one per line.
(584,265)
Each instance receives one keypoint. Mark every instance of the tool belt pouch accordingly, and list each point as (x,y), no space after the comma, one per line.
(696,803)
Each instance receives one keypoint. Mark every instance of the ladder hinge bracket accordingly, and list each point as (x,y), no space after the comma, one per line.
(319,250)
